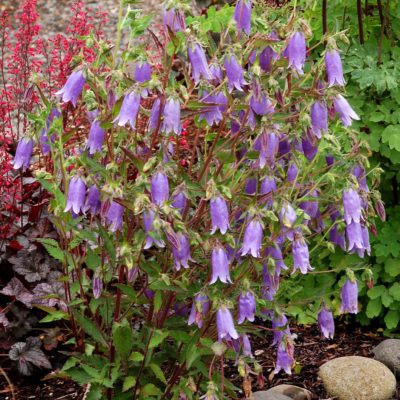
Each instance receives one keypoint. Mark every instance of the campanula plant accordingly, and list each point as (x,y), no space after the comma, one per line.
(214,168)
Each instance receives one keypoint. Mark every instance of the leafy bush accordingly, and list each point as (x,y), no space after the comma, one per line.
(191,189)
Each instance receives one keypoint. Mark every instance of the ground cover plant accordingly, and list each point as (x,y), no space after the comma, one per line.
(190,180)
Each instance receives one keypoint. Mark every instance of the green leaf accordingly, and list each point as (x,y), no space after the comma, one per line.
(53,248)
(93,261)
(158,372)
(391,135)
(392,319)
(129,383)
(157,301)
(374,308)
(157,338)
(392,267)
(386,299)
(136,356)
(55,316)
(150,390)
(90,328)
(376,291)
(122,338)
(394,291)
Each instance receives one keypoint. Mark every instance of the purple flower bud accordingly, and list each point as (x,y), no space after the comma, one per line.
(148,220)
(309,145)
(380,210)
(92,202)
(199,63)
(234,72)
(284,358)
(225,326)
(296,52)
(266,57)
(76,195)
(159,188)
(334,69)
(242,16)
(246,346)
(352,206)
(287,215)
(250,187)
(200,307)
(247,307)
(96,137)
(174,20)
(129,110)
(284,145)
(267,144)
(260,104)
(220,266)
(97,285)
(114,216)
(111,100)
(219,215)
(23,154)
(172,117)
(326,323)
(213,113)
(310,206)
(181,252)
(301,256)
(72,88)
(343,108)
(337,238)
(179,201)
(280,325)
(329,160)
(142,72)
(216,73)
(319,118)
(267,190)
(132,274)
(292,172)
(155,114)
(253,236)
(349,297)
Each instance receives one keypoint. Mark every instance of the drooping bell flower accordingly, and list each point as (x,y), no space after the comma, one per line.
(275,253)
(301,256)
(334,69)
(357,238)
(343,108)
(267,190)
(96,137)
(246,346)
(284,145)
(359,173)
(220,265)
(337,238)
(219,215)
(159,188)
(319,118)
(174,20)
(309,145)
(92,203)
(242,16)
(252,240)
(172,116)
(280,325)
(352,206)
(97,285)
(23,154)
(247,307)
(216,73)
(234,73)
(212,113)
(142,72)
(287,215)
(72,88)
(148,222)
(292,172)
(250,187)
(285,358)
(349,297)
(329,160)
(296,52)
(366,244)
(76,195)
(129,110)
(310,206)
(155,114)
(181,251)
(260,104)
(198,60)
(270,284)
(326,323)
(267,144)
(179,201)
(266,57)
(225,325)
(199,310)
(114,216)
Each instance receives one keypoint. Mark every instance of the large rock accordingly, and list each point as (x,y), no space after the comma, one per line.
(267,395)
(294,392)
(357,378)
(388,352)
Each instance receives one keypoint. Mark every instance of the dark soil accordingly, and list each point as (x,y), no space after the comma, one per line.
(311,352)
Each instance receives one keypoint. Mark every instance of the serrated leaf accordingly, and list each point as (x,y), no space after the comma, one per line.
(136,356)
(157,338)
(129,383)
(56,315)
(392,267)
(376,291)
(90,328)
(391,135)
(392,319)
(394,291)
(374,308)
(157,301)
(158,372)
(150,390)
(122,338)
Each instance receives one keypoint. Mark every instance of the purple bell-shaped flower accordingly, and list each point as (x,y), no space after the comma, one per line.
(352,206)
(220,265)
(200,307)
(280,325)
(219,215)
(296,52)
(76,195)
(23,154)
(199,63)
(247,307)
(172,116)
(72,88)
(155,114)
(148,222)
(266,57)
(260,104)
(267,144)
(97,285)
(213,113)
(181,251)
(349,297)
(343,108)
(142,72)
(284,358)
(234,73)
(159,188)
(242,16)
(287,215)
(92,203)
(319,118)
(326,323)
(267,190)
(301,256)
(174,20)
(114,216)
(334,69)
(252,240)
(96,137)
(225,325)
(129,110)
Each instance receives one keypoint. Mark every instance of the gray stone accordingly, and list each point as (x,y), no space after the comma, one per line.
(267,395)
(388,353)
(294,392)
(357,378)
